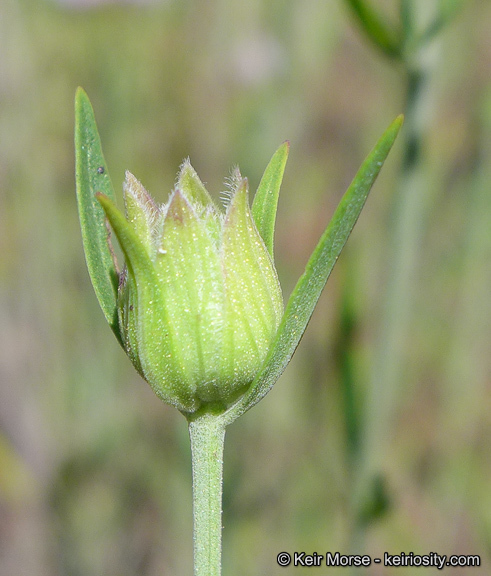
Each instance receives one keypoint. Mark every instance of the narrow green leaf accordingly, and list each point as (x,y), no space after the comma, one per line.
(266,198)
(91,177)
(375,28)
(310,285)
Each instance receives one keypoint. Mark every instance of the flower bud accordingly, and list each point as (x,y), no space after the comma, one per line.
(199,300)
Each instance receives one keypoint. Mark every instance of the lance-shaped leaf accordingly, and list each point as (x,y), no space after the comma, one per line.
(266,198)
(310,285)
(91,177)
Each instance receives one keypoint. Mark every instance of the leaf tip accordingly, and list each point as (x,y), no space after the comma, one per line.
(398,122)
(283,150)
(81,96)
(393,130)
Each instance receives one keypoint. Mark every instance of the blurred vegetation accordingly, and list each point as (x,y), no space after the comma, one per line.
(95,474)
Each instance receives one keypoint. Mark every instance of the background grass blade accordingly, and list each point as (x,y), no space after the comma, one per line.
(310,285)
(266,198)
(373,25)
(91,177)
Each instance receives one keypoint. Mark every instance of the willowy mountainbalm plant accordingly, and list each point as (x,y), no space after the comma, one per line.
(197,306)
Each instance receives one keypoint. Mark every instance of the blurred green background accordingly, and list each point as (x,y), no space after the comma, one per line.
(377,437)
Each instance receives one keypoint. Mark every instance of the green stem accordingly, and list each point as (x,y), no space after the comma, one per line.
(384,393)
(368,496)
(207,434)
(409,212)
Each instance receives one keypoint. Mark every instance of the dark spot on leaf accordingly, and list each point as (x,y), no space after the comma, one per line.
(100,170)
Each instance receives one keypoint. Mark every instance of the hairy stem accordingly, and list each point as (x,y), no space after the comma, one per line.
(207,438)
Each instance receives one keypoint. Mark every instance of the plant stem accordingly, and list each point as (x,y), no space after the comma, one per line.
(409,213)
(207,434)
(368,455)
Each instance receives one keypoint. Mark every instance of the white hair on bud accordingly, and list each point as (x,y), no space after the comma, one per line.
(133,187)
(231,184)
(186,163)
(152,210)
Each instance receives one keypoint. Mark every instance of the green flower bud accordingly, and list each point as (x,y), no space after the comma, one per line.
(199,301)
(199,308)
